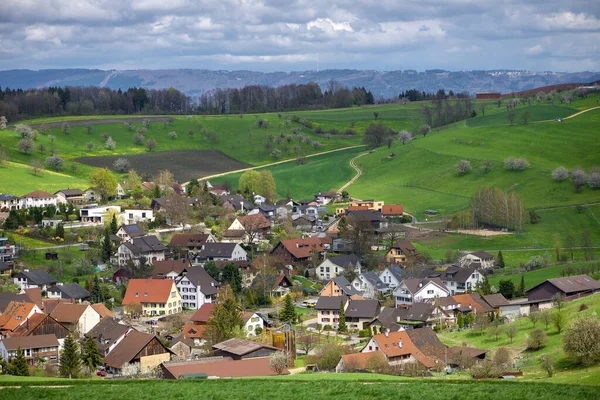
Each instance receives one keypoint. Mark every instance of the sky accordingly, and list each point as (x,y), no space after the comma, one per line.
(292,35)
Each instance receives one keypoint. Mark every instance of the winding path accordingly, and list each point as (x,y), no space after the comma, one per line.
(358,172)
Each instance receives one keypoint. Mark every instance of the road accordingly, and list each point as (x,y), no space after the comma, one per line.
(358,173)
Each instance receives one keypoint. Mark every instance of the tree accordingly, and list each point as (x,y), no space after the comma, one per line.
(424,130)
(545,317)
(521,288)
(511,117)
(460,320)
(110,144)
(225,317)
(581,342)
(525,115)
(536,339)
(267,185)
(559,320)
(328,356)
(164,178)
(60,231)
(232,276)
(404,136)
(506,288)
(70,360)
(511,331)
(55,162)
(250,182)
(502,357)
(89,146)
(66,128)
(463,167)
(500,259)
(569,244)
(548,365)
(114,227)
(3,122)
(579,178)
(90,356)
(104,183)
(534,317)
(97,292)
(342,328)
(173,135)
(121,164)
(211,268)
(560,174)
(106,246)
(278,362)
(18,365)
(306,342)
(375,135)
(150,144)
(24,131)
(26,146)
(558,300)
(36,167)
(288,312)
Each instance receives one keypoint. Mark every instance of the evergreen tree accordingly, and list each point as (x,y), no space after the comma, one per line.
(106,246)
(225,317)
(306,273)
(91,356)
(114,227)
(156,192)
(212,269)
(231,275)
(483,287)
(521,289)
(460,321)
(60,231)
(3,366)
(342,328)
(97,294)
(70,360)
(18,365)
(500,259)
(288,313)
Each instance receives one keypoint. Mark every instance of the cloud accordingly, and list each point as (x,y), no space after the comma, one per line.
(288,34)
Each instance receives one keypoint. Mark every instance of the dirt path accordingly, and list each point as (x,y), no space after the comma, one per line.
(358,172)
(581,112)
(99,121)
(271,164)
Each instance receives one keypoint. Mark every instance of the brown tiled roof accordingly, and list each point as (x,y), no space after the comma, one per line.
(254,222)
(30,342)
(302,248)
(495,300)
(392,209)
(477,304)
(128,348)
(15,314)
(38,194)
(50,304)
(102,310)
(222,367)
(32,323)
(357,208)
(35,295)
(246,315)
(240,347)
(191,331)
(162,268)
(407,248)
(188,239)
(390,346)
(234,233)
(203,313)
(470,351)
(361,360)
(148,291)
(68,313)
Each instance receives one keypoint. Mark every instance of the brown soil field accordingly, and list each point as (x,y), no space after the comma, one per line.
(184,164)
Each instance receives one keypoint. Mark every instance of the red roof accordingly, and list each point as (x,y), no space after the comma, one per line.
(15,314)
(302,248)
(203,313)
(38,194)
(193,331)
(468,300)
(148,291)
(253,222)
(357,208)
(392,209)
(223,367)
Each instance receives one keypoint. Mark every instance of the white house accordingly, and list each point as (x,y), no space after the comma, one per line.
(135,216)
(127,232)
(148,247)
(334,266)
(80,317)
(478,259)
(120,191)
(97,214)
(417,290)
(258,199)
(369,285)
(38,198)
(221,252)
(32,279)
(252,322)
(326,198)
(196,287)
(392,276)
(9,202)
(457,280)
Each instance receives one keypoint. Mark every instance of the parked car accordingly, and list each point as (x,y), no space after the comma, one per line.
(151,322)
(101,373)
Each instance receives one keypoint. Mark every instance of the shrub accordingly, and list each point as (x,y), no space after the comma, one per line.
(485,369)
(537,339)
(173,135)
(502,357)
(110,144)
(327,357)
(278,362)
(581,342)
(138,138)
(560,174)
(516,164)
(350,132)
(463,167)
(583,307)
(89,146)
(334,131)
(55,162)
(318,130)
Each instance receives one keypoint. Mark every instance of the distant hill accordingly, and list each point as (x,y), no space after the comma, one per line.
(194,82)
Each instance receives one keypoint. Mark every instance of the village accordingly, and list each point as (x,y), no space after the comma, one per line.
(329,284)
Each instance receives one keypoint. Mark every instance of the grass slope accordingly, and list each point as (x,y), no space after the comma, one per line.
(18,180)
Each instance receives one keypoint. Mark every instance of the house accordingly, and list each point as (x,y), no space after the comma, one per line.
(8,251)
(456,355)
(220,189)
(419,315)
(80,318)
(413,346)
(38,198)
(237,203)
(221,252)
(360,312)
(327,197)
(298,251)
(137,347)
(253,323)
(402,252)
(182,347)
(357,361)
(416,290)
(36,278)
(265,210)
(148,247)
(194,333)
(41,324)
(9,202)
(369,284)
(306,210)
(371,218)
(156,297)
(7,297)
(108,333)
(92,194)
(392,276)
(334,266)
(478,260)
(103,311)
(570,287)
(6,269)
(128,232)
(496,301)
(219,367)
(239,349)
(33,347)
(339,286)
(170,269)
(72,291)
(94,213)
(392,210)
(163,203)
(370,204)
(328,309)
(133,216)
(472,302)
(202,316)
(255,227)
(457,279)
(304,223)
(196,287)
(275,285)
(70,196)
(258,199)
(247,270)
(191,243)
(16,314)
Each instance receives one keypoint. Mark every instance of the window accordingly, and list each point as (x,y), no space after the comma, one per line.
(430,292)
(370,348)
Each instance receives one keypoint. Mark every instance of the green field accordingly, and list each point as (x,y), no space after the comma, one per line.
(17,179)
(319,386)
(533,278)
(536,113)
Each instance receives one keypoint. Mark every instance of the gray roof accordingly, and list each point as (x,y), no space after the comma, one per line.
(414,284)
(450,274)
(398,272)
(484,255)
(37,277)
(416,312)
(71,192)
(133,230)
(362,309)
(199,277)
(343,261)
(107,331)
(367,215)
(237,201)
(145,244)
(70,291)
(387,318)
(573,284)
(7,297)
(330,302)
(373,278)
(495,300)
(241,347)
(346,286)
(217,250)
(7,197)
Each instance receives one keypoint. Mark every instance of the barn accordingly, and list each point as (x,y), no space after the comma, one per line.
(487,96)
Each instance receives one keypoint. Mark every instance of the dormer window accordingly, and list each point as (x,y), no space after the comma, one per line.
(137,294)
(146,294)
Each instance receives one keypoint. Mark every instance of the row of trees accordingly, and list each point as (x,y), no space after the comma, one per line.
(496,208)
(444,112)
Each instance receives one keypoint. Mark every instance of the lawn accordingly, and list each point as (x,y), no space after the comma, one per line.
(25,241)
(18,180)
(536,113)
(298,387)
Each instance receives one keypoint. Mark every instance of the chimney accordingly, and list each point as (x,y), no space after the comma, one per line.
(387,333)
(400,343)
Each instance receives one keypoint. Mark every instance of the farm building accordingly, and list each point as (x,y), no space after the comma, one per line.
(569,286)
(487,96)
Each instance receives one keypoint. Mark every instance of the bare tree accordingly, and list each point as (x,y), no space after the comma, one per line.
(486,165)
(306,342)
(36,166)
(278,362)
(177,209)
(511,331)
(121,164)
(424,130)
(525,115)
